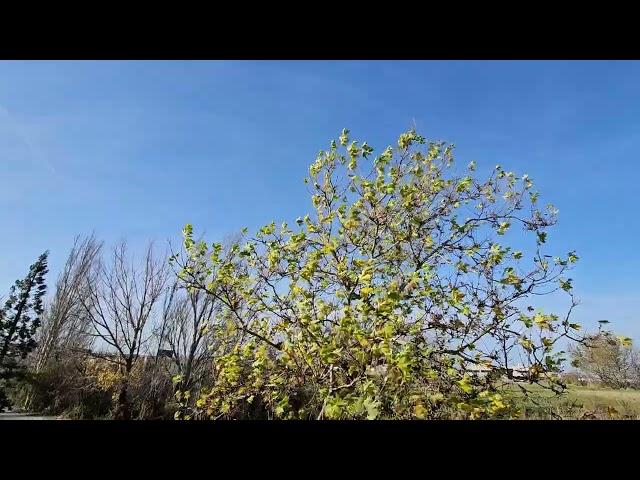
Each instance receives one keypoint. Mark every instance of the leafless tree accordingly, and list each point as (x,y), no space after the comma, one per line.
(189,320)
(609,359)
(65,323)
(122,302)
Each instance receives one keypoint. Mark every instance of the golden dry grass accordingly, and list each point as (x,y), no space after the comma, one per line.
(578,402)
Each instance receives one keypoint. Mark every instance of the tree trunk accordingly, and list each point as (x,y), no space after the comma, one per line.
(123,409)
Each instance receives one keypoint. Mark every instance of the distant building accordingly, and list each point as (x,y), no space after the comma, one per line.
(519,372)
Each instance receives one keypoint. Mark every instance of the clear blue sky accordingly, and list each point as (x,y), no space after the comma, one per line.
(137,149)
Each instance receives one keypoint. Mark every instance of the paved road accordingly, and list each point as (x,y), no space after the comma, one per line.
(23,416)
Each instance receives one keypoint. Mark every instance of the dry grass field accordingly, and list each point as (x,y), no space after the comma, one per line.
(578,402)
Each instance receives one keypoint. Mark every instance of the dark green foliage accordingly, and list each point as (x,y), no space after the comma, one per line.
(19,321)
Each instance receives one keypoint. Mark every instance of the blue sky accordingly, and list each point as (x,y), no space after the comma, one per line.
(137,149)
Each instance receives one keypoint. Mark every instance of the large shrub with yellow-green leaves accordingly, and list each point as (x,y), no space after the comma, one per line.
(383,302)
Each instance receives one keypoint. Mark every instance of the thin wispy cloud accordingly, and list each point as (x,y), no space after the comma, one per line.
(11,127)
